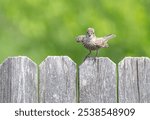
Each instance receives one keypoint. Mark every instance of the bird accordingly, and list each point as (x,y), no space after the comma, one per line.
(93,43)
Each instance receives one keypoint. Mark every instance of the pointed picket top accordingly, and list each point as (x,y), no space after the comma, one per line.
(18,57)
(56,58)
(95,59)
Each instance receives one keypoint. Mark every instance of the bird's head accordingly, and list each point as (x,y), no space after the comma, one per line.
(90,33)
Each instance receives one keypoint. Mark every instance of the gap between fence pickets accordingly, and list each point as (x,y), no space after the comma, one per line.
(132,71)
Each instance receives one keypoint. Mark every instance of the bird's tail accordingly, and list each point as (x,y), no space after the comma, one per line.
(108,37)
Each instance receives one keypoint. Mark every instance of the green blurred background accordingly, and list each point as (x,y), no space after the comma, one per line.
(41,28)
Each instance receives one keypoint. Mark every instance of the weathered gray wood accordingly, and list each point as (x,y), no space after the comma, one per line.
(97,77)
(57,80)
(18,81)
(134,80)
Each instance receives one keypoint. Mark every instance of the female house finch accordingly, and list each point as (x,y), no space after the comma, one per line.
(91,42)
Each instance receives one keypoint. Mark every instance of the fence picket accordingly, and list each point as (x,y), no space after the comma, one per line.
(57,80)
(134,80)
(18,81)
(97,77)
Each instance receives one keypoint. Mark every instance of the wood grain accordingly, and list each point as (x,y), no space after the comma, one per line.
(134,80)
(57,80)
(18,81)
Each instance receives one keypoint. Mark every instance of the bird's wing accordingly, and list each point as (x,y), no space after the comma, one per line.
(80,38)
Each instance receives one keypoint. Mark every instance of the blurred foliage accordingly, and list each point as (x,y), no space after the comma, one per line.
(39,28)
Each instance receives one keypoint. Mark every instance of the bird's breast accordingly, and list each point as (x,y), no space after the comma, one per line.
(90,45)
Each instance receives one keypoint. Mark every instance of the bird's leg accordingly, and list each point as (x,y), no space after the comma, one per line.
(87,55)
(97,52)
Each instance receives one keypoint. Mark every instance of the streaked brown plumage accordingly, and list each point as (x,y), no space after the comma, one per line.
(91,42)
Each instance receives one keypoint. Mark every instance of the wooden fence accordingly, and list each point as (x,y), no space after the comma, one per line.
(59,80)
